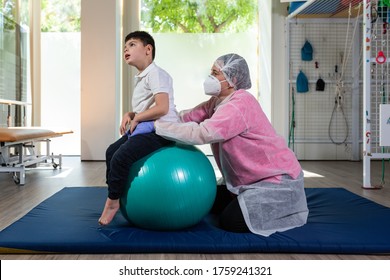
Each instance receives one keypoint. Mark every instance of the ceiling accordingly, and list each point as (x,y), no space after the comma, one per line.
(328,9)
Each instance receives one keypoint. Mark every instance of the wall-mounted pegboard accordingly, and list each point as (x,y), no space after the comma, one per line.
(369,71)
(329,112)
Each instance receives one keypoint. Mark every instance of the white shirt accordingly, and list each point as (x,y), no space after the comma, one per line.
(148,83)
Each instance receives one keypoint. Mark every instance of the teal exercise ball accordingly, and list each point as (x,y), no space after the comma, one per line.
(170,189)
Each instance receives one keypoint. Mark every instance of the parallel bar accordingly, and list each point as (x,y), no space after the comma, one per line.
(367,95)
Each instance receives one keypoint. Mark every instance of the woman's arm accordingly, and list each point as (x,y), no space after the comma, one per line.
(224,124)
(199,113)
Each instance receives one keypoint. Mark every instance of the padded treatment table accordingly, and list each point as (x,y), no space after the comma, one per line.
(18,149)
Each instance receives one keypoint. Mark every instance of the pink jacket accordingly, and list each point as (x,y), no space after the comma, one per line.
(245,145)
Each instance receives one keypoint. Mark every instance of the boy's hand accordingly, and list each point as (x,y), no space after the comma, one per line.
(126,120)
(133,125)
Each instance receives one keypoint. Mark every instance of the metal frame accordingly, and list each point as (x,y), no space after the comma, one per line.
(366,94)
(368,59)
(16,156)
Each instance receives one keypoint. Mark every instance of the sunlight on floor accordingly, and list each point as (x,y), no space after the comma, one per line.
(309,174)
(64,173)
(218,173)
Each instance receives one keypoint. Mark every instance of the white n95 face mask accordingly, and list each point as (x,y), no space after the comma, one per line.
(212,86)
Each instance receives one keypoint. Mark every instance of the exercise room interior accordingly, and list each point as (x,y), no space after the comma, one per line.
(334,127)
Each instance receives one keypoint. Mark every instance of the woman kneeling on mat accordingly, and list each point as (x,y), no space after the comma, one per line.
(262,189)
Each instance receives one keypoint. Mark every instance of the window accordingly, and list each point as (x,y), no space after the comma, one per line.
(13,61)
(60,71)
(190,35)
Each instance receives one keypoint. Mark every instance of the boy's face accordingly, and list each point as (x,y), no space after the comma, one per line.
(135,52)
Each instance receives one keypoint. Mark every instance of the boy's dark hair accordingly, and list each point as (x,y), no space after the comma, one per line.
(145,38)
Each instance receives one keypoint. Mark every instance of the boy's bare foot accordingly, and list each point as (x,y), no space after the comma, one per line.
(110,209)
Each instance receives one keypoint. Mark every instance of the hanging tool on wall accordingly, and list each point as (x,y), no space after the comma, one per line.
(380,58)
(338,108)
(382,11)
(291,136)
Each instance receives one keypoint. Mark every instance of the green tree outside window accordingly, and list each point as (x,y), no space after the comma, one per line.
(198,16)
(60,15)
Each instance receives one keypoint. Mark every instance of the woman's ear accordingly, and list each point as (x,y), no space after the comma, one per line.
(234,81)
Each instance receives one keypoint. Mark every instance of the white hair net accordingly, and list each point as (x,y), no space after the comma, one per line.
(235,69)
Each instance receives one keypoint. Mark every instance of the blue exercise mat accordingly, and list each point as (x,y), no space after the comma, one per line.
(339,222)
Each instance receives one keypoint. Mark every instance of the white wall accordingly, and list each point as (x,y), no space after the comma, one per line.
(272,66)
(279,77)
(100,91)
